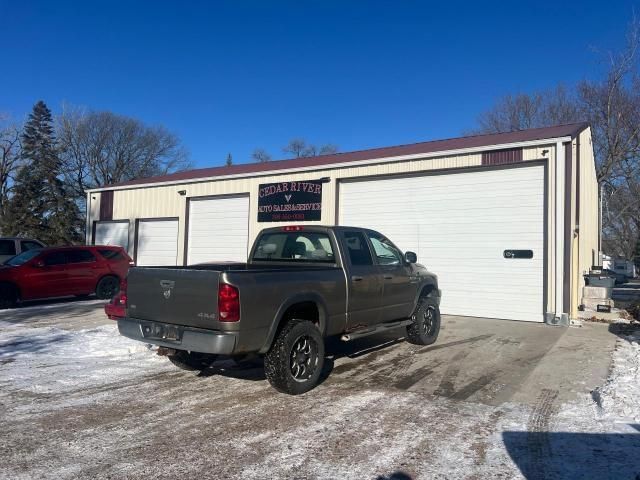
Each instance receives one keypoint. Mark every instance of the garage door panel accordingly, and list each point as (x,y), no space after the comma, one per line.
(218,229)
(157,242)
(112,233)
(459,225)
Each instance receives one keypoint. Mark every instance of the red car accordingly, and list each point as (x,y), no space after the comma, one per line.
(61,272)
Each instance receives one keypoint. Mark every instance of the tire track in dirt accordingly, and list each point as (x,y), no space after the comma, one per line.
(446,388)
(538,443)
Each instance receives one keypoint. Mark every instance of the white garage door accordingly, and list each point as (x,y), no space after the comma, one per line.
(460,226)
(157,242)
(218,229)
(112,233)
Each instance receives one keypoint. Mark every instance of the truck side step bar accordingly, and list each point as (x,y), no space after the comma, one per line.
(383,327)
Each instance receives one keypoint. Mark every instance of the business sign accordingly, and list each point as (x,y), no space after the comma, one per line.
(290,201)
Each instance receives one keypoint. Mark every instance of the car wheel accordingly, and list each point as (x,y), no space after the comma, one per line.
(107,287)
(8,296)
(294,362)
(426,323)
(192,360)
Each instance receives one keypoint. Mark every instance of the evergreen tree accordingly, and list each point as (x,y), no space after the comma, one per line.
(229,160)
(40,206)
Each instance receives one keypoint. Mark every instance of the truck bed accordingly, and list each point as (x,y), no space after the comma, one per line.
(188,295)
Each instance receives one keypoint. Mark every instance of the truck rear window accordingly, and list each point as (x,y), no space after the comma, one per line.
(295,247)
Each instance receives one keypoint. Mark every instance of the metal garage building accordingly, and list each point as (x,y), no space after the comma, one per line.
(508,221)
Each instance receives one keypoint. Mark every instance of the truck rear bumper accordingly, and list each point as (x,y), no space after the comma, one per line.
(188,338)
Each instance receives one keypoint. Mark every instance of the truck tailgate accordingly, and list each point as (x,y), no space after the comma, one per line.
(173,295)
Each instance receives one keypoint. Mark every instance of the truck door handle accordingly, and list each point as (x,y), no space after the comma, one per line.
(388,277)
(356,278)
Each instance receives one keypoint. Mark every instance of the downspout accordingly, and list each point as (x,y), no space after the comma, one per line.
(559,317)
(87,226)
(600,224)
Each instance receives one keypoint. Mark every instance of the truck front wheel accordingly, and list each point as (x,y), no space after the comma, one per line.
(426,323)
(294,363)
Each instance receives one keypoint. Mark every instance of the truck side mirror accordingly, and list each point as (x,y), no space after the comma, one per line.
(410,257)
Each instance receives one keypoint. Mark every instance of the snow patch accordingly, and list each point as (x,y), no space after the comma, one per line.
(619,398)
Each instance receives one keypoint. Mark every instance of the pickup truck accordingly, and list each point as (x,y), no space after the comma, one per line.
(300,285)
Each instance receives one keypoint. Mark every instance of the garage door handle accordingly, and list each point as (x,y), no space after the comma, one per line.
(357,278)
(388,277)
(517,254)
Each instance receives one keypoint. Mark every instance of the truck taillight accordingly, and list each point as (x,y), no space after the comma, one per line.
(293,228)
(228,303)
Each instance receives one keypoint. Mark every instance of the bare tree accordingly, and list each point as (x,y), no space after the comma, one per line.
(260,155)
(10,154)
(326,149)
(522,111)
(102,148)
(298,147)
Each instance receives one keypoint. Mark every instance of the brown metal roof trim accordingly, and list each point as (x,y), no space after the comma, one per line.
(434,146)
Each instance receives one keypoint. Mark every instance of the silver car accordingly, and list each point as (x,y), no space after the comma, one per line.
(12,246)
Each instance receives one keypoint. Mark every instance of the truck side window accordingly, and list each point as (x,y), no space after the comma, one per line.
(386,252)
(26,245)
(7,247)
(359,252)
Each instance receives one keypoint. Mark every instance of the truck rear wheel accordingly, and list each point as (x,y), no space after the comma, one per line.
(294,363)
(426,323)
(191,360)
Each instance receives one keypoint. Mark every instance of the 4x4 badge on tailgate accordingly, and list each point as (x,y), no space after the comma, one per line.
(167,285)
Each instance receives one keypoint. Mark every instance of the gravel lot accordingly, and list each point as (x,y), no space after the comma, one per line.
(491,399)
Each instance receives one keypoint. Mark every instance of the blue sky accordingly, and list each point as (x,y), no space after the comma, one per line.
(235,75)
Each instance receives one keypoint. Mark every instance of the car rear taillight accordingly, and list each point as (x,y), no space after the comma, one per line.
(228,303)
(122,294)
(117,307)
(293,228)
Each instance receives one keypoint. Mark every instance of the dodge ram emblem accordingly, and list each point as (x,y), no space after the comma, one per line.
(167,285)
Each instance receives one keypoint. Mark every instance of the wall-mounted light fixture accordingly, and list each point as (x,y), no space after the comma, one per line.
(93,198)
(182,192)
(544,152)
(325,179)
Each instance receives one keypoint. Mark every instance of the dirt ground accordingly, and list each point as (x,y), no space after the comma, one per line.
(491,399)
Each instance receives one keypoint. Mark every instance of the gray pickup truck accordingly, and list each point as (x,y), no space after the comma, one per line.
(300,285)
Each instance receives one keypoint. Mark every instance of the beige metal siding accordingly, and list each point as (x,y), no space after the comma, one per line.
(165,201)
(588,248)
(584,210)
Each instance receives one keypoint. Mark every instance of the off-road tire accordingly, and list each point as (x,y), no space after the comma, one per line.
(192,361)
(8,296)
(286,357)
(107,287)
(426,322)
